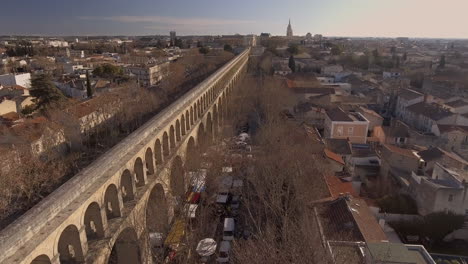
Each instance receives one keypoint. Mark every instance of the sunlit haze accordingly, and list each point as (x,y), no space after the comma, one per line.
(412,18)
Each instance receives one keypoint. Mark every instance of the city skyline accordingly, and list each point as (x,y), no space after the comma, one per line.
(362,18)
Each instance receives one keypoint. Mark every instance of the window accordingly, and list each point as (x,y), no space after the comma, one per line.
(350,131)
(339,130)
(450,198)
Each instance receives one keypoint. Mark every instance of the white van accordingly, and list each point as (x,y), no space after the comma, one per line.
(223,255)
(228,230)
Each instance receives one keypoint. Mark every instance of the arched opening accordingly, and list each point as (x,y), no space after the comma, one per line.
(187,120)
(199,112)
(42,259)
(149,162)
(202,105)
(171,137)
(93,222)
(139,173)
(157,220)
(201,137)
(225,107)
(209,129)
(191,115)
(182,125)
(158,152)
(126,186)
(126,248)
(157,211)
(195,112)
(177,177)
(215,121)
(111,201)
(177,130)
(165,145)
(220,111)
(205,99)
(191,155)
(69,246)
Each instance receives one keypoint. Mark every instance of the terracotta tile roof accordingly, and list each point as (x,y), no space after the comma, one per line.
(333,156)
(402,151)
(366,221)
(11,116)
(350,219)
(89,106)
(338,188)
(339,146)
(15,87)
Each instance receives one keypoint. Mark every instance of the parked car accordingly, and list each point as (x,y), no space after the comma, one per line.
(223,255)
(228,229)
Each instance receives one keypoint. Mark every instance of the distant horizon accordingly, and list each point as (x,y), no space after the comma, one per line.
(430,19)
(212,35)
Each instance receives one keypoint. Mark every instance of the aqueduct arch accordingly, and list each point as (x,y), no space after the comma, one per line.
(127,186)
(126,248)
(69,246)
(149,162)
(158,153)
(93,222)
(112,203)
(177,183)
(139,172)
(42,259)
(157,211)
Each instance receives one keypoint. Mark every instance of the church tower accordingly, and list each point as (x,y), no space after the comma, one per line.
(289,32)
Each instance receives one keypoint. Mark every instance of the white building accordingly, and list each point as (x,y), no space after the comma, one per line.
(443,191)
(148,75)
(23,79)
(70,68)
(57,43)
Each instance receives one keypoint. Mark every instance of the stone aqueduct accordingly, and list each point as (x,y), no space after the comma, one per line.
(129,191)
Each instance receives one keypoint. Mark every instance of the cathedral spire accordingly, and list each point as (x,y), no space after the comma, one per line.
(289,32)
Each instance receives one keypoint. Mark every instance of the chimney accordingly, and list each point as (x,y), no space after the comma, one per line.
(382,223)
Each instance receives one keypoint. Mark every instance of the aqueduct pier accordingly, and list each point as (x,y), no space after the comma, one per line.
(107,210)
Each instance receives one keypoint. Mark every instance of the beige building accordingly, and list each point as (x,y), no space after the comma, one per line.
(352,125)
(148,75)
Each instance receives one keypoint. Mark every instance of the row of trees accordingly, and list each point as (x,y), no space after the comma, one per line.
(282,179)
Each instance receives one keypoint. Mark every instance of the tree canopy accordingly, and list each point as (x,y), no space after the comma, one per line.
(46,94)
(228,48)
(107,71)
(293,49)
(204,50)
(292,64)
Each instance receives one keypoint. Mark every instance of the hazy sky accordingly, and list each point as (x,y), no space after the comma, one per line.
(412,18)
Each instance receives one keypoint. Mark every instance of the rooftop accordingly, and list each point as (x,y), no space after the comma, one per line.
(386,252)
(432,111)
(333,156)
(338,115)
(409,94)
(457,103)
(339,146)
